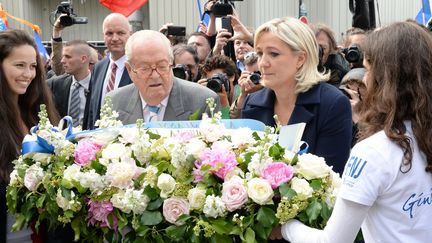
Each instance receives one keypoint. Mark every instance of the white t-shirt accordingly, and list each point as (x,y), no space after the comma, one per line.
(393,206)
(400,203)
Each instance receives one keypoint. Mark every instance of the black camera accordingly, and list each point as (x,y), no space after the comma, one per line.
(255,77)
(223,7)
(182,71)
(70,18)
(215,83)
(353,54)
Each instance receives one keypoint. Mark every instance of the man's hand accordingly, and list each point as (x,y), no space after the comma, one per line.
(222,39)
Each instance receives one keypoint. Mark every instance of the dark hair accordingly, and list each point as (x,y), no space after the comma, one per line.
(399,84)
(220,62)
(322,28)
(200,34)
(28,104)
(182,48)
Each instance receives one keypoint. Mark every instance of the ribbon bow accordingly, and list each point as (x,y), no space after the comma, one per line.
(36,144)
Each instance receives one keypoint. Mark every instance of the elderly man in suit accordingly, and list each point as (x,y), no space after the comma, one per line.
(156,94)
(70,90)
(109,73)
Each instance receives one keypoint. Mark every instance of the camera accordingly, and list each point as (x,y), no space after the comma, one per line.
(223,7)
(353,54)
(255,77)
(70,18)
(215,83)
(182,71)
(176,30)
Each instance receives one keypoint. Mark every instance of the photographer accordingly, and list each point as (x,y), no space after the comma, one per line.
(354,38)
(186,62)
(249,82)
(220,75)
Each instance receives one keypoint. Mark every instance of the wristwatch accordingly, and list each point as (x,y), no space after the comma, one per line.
(58,39)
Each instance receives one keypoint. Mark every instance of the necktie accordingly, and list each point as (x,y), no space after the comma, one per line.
(111,81)
(74,106)
(153,110)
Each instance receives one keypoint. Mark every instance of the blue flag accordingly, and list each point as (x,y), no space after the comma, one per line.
(204,18)
(41,48)
(2,25)
(424,15)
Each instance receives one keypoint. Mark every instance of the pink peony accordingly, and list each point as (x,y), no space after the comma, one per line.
(184,136)
(277,173)
(86,151)
(197,172)
(234,193)
(99,211)
(221,160)
(173,208)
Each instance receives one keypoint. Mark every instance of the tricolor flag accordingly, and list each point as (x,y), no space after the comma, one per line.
(125,7)
(41,48)
(2,25)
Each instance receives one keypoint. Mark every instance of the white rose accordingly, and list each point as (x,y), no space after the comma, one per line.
(120,174)
(195,146)
(260,191)
(166,184)
(214,207)
(130,201)
(196,197)
(311,167)
(71,172)
(44,159)
(115,151)
(92,180)
(14,178)
(33,176)
(302,188)
(211,132)
(128,135)
(105,137)
(242,136)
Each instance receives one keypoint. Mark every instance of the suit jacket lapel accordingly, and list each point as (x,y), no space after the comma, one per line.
(175,107)
(133,108)
(63,95)
(304,103)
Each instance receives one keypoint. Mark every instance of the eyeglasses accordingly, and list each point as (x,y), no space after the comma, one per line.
(147,70)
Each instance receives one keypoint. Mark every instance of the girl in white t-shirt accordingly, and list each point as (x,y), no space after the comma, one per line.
(387,182)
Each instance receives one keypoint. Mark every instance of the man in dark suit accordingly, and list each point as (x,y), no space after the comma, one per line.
(108,74)
(155,94)
(70,90)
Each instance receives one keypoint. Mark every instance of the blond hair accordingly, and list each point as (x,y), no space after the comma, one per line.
(299,37)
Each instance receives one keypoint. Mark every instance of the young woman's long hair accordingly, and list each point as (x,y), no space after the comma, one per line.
(399,89)
(28,104)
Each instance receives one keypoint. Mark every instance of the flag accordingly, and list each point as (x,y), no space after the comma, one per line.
(2,25)
(424,15)
(125,7)
(204,18)
(41,48)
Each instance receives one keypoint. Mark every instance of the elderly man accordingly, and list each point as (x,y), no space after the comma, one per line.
(156,95)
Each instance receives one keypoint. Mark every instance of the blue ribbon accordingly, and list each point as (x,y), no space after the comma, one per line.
(36,144)
(304,147)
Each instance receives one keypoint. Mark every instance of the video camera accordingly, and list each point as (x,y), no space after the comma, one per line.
(215,83)
(223,7)
(353,54)
(70,18)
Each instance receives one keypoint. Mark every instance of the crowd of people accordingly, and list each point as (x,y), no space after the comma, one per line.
(372,92)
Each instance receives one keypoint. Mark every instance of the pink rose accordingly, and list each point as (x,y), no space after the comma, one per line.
(277,173)
(173,208)
(234,193)
(220,159)
(86,151)
(99,211)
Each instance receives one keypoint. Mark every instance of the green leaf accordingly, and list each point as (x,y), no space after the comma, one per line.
(155,204)
(195,116)
(266,216)
(183,218)
(76,228)
(325,211)
(151,218)
(316,184)
(260,231)
(142,231)
(40,201)
(98,167)
(176,232)
(151,193)
(276,152)
(220,226)
(163,165)
(249,235)
(313,210)
(286,191)
(66,184)
(217,238)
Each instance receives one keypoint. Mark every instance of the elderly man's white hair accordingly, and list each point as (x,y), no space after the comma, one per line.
(142,37)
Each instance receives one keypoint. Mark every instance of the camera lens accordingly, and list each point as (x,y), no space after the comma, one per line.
(255,77)
(66,20)
(179,72)
(214,84)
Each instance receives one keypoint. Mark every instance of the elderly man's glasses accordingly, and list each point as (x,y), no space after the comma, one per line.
(147,70)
